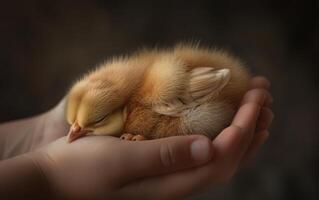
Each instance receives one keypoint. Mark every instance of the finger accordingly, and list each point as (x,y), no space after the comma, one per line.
(247,116)
(265,119)
(230,146)
(229,149)
(182,183)
(153,157)
(259,139)
(246,119)
(169,186)
(263,123)
(259,82)
(259,96)
(227,145)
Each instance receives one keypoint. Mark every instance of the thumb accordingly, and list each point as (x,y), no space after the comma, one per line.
(154,157)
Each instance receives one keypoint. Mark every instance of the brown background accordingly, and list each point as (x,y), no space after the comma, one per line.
(45,46)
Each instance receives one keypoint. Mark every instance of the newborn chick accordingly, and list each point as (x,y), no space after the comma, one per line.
(158,93)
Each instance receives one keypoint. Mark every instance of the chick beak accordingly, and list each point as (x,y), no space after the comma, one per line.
(75,132)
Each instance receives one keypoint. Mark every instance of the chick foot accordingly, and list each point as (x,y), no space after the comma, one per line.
(131,137)
(138,138)
(127,136)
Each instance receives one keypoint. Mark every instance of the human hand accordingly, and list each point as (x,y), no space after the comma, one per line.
(54,124)
(100,167)
(25,135)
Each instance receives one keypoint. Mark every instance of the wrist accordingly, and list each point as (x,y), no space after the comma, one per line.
(39,167)
(22,178)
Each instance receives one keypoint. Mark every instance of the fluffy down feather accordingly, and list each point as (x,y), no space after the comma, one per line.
(158,93)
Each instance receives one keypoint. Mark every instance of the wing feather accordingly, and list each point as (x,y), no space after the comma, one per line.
(205,83)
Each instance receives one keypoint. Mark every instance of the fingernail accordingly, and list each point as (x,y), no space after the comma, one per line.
(200,150)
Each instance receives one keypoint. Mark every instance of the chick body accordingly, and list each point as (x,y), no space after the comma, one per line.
(179,91)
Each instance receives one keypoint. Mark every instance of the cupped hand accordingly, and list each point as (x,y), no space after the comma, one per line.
(101,166)
(53,123)
(170,168)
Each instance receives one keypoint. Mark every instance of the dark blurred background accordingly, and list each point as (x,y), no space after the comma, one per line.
(46,45)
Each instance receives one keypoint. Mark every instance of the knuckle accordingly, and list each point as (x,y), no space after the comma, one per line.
(251,105)
(234,129)
(258,95)
(167,156)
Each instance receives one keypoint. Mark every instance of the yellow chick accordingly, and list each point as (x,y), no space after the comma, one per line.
(155,93)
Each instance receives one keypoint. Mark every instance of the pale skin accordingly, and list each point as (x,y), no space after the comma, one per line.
(35,154)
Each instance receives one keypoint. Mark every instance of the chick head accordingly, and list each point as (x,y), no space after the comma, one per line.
(93,107)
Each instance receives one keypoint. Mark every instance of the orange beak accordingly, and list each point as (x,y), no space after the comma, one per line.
(75,132)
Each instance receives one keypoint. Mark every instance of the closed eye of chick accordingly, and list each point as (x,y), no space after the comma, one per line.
(152,94)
